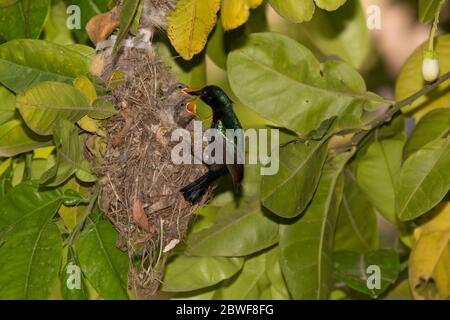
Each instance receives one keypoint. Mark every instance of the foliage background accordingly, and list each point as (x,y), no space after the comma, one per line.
(307,233)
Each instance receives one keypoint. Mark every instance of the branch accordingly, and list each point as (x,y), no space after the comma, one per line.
(394,108)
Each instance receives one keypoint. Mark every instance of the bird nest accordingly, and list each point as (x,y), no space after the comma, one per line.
(139,182)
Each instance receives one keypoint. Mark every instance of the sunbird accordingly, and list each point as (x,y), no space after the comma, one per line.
(223,118)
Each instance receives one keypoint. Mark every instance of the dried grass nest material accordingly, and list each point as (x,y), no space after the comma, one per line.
(139,183)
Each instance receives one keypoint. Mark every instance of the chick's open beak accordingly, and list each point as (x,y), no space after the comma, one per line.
(192,107)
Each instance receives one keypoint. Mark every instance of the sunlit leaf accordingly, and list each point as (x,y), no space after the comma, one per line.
(16,138)
(410,80)
(429,263)
(190,24)
(47,103)
(281,80)
(235,13)
(299,11)
(24,62)
(7,105)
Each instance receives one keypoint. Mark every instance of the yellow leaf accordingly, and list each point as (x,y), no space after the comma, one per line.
(116,79)
(89,124)
(5,165)
(85,85)
(72,215)
(254,3)
(235,13)
(190,24)
(43,153)
(410,80)
(429,263)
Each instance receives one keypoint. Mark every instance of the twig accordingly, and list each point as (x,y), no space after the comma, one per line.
(394,108)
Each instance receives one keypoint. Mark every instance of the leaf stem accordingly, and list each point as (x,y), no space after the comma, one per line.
(435,26)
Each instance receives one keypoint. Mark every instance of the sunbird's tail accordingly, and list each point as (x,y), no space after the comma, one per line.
(194,191)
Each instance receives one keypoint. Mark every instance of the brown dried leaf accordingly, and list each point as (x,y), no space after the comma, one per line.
(140,217)
(101,26)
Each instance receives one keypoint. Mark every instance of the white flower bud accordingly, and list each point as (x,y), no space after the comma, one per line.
(430,66)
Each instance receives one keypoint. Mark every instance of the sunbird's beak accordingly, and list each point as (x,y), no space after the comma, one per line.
(192,92)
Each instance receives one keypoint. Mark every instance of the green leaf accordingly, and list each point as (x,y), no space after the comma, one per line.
(354,270)
(55,28)
(410,80)
(191,273)
(84,172)
(423,180)
(278,286)
(282,81)
(294,11)
(68,155)
(5,177)
(105,266)
(342,33)
(428,9)
(251,283)
(377,173)
(102,109)
(6,3)
(299,11)
(127,13)
(215,47)
(72,287)
(16,138)
(433,125)
(288,192)
(24,19)
(32,246)
(237,231)
(7,105)
(356,228)
(306,245)
(47,103)
(24,62)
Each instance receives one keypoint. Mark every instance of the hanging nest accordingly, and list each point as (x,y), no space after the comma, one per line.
(139,182)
